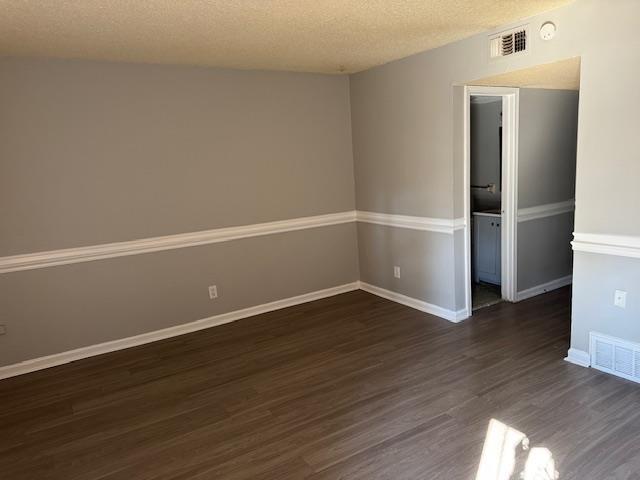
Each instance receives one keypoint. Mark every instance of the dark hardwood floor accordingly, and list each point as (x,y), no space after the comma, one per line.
(352,386)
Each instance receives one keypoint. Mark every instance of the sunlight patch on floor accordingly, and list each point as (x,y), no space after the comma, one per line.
(503,455)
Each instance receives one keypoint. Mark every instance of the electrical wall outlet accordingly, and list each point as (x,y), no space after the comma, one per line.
(620,299)
(213,291)
(3,329)
(396,271)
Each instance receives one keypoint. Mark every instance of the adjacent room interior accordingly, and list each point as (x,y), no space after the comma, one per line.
(486,204)
(542,185)
(319,240)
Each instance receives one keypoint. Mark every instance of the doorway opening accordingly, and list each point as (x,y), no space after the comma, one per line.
(519,183)
(491,127)
(485,136)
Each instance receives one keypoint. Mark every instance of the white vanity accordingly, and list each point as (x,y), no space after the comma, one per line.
(487,246)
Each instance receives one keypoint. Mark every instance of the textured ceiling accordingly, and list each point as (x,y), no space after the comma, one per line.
(330,36)
(563,75)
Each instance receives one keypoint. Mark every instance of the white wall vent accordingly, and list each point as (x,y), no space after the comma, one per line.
(616,356)
(509,42)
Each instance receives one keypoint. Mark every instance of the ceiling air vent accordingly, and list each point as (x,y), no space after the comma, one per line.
(616,356)
(509,42)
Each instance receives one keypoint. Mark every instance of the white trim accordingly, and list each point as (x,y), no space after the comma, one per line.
(66,256)
(461,315)
(544,288)
(466,198)
(155,244)
(619,245)
(120,344)
(441,225)
(459,224)
(421,305)
(578,357)
(539,211)
(510,124)
(547,210)
(509,254)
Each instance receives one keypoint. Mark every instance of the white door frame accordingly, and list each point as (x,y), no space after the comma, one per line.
(510,103)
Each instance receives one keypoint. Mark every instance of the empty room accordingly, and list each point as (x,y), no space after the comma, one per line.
(272,239)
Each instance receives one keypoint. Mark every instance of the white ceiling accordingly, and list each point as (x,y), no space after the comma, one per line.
(562,75)
(330,36)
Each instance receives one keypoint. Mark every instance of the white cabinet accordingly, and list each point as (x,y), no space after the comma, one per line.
(487,248)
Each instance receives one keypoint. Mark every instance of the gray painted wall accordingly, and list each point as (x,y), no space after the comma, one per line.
(382,247)
(547,146)
(485,153)
(546,174)
(593,310)
(400,140)
(544,250)
(56,309)
(405,145)
(607,193)
(406,161)
(155,150)
(95,152)
(460,278)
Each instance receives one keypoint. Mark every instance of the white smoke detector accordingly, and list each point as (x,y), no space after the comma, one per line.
(547,31)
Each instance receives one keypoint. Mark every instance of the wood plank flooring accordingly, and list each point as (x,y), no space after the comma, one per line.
(352,386)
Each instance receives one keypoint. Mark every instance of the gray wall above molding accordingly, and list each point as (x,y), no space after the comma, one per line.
(99,152)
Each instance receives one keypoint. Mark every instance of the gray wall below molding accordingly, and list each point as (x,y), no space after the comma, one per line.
(595,279)
(425,260)
(98,152)
(484,136)
(547,146)
(544,250)
(56,309)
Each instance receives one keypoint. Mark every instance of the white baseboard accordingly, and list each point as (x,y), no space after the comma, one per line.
(461,315)
(544,288)
(578,357)
(423,306)
(120,344)
(85,352)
